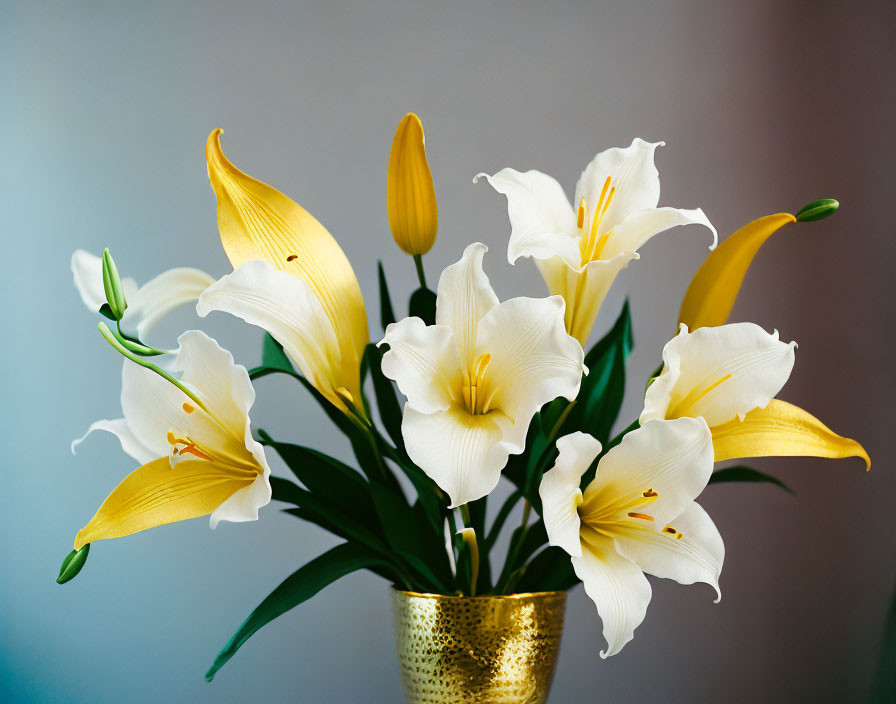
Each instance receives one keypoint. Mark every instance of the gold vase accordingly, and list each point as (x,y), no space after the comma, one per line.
(477,650)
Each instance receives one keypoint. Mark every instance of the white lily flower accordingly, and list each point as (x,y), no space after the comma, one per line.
(719,373)
(474,380)
(638,515)
(197,452)
(580,251)
(147,304)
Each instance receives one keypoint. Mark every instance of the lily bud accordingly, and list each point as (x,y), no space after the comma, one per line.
(113,288)
(410,195)
(817,210)
(72,564)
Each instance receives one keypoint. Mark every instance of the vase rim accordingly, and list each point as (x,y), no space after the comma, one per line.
(518,595)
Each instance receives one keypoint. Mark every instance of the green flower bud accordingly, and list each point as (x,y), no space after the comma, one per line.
(817,210)
(112,285)
(72,564)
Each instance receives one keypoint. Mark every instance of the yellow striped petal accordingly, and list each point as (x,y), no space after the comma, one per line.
(410,195)
(711,294)
(781,429)
(257,222)
(157,493)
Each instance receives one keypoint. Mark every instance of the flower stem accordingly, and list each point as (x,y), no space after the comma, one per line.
(418,260)
(112,340)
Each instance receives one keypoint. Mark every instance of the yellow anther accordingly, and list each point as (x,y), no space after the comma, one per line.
(473,385)
(642,516)
(188,408)
(649,494)
(670,530)
(583,211)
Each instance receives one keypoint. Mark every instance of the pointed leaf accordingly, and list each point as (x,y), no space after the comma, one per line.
(423,305)
(387,315)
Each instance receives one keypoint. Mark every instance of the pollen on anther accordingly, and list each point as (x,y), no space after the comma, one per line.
(292,257)
(670,530)
(188,408)
(649,494)
(642,516)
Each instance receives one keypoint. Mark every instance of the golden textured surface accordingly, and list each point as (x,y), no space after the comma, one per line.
(477,650)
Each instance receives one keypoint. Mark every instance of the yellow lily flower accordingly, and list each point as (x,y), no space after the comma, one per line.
(410,194)
(580,251)
(257,223)
(729,375)
(197,452)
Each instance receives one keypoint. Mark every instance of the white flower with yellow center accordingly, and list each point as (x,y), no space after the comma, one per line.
(147,304)
(638,515)
(729,375)
(193,440)
(474,380)
(580,251)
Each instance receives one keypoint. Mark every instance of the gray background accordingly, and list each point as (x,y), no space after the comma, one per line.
(764,107)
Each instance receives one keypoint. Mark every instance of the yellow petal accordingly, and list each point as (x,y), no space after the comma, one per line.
(711,294)
(782,429)
(258,222)
(410,195)
(157,493)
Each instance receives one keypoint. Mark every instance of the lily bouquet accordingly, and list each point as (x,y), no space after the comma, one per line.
(492,389)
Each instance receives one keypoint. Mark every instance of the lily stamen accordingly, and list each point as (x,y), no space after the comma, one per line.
(473,383)
(641,516)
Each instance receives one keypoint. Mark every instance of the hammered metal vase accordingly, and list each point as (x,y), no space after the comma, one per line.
(477,650)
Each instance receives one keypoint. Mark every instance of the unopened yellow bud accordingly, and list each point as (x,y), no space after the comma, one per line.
(410,195)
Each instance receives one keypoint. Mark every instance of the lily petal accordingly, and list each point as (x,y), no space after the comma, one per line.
(719,373)
(410,195)
(688,551)
(156,494)
(673,459)
(782,430)
(258,222)
(462,453)
(640,226)
(616,585)
(425,363)
(559,490)
(633,174)
(714,288)
(584,289)
(542,221)
(464,297)
(286,307)
(130,443)
(159,296)
(533,359)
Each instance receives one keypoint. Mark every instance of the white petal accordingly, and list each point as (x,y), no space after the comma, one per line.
(673,458)
(616,585)
(696,556)
(464,297)
(633,175)
(640,226)
(425,362)
(129,442)
(542,222)
(284,306)
(462,453)
(87,272)
(159,296)
(244,504)
(533,359)
(584,290)
(559,490)
(719,373)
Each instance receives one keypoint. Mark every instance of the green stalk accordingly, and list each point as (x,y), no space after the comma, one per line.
(418,260)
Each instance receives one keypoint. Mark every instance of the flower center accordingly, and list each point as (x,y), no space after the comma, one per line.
(591,244)
(601,515)
(184,446)
(475,398)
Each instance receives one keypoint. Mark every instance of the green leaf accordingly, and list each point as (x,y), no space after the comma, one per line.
(524,542)
(386,398)
(747,474)
(423,305)
(106,311)
(817,210)
(550,570)
(387,316)
(297,588)
(273,356)
(430,496)
(72,564)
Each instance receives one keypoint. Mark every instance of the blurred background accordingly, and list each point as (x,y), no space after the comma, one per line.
(764,106)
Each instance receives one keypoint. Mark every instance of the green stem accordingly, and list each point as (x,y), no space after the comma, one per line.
(418,260)
(561,420)
(112,340)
